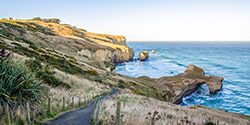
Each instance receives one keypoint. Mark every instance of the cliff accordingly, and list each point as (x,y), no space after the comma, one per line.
(78,43)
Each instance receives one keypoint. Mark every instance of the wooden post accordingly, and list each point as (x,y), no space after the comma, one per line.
(49,106)
(79,102)
(8,114)
(73,102)
(63,103)
(84,99)
(28,112)
(118,113)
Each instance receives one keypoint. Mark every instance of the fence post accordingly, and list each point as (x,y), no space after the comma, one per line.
(28,112)
(63,103)
(49,106)
(73,102)
(84,100)
(79,102)
(118,113)
(8,114)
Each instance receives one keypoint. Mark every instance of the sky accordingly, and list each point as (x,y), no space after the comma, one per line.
(144,20)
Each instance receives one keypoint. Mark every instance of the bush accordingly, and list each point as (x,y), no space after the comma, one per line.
(17,84)
(92,72)
(38,19)
(52,20)
(34,65)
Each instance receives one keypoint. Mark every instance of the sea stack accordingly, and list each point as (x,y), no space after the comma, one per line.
(144,55)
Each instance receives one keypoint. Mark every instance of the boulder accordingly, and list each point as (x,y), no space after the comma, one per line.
(214,84)
(4,53)
(144,55)
(153,51)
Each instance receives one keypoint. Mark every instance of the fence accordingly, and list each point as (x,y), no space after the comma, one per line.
(28,113)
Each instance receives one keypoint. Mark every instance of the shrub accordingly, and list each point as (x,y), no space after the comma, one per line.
(122,84)
(53,20)
(37,19)
(17,84)
(34,65)
(92,72)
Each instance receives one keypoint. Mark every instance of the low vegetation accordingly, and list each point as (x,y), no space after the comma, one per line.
(18,84)
(52,20)
(140,110)
(45,73)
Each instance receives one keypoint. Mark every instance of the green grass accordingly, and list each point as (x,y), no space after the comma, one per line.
(92,72)
(54,60)
(45,73)
(122,84)
(18,84)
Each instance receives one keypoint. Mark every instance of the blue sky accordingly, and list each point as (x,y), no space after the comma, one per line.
(158,20)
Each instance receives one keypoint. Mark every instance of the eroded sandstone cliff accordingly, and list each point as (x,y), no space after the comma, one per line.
(83,45)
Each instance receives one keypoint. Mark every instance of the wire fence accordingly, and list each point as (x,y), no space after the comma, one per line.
(28,113)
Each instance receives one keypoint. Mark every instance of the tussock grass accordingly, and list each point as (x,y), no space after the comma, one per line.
(18,84)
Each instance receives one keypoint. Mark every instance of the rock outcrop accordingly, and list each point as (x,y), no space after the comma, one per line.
(174,88)
(186,83)
(4,53)
(144,55)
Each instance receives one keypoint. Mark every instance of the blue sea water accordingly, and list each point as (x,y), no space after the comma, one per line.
(229,60)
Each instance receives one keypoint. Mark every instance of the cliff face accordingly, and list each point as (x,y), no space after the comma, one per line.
(82,45)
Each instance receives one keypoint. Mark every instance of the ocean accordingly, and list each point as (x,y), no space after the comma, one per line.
(228,60)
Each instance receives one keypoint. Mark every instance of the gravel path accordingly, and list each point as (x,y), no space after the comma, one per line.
(80,116)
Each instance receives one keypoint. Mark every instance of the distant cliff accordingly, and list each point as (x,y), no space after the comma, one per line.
(79,43)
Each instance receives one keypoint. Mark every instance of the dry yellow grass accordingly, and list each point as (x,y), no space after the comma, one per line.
(81,88)
(72,32)
(140,110)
